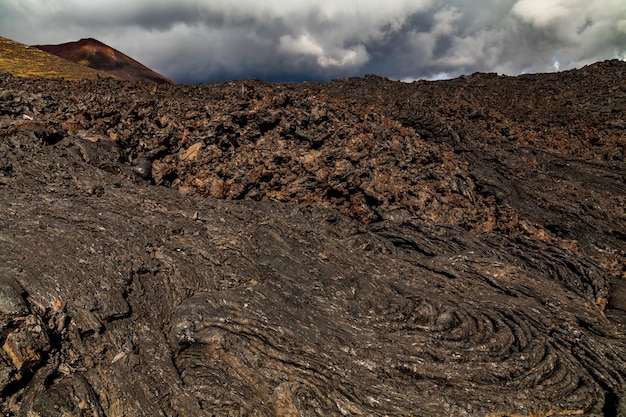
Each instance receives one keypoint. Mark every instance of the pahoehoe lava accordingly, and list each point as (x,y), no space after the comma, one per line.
(361,247)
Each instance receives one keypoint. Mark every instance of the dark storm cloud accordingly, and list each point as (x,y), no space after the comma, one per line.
(202,40)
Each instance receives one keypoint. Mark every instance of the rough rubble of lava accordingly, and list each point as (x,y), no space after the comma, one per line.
(359,247)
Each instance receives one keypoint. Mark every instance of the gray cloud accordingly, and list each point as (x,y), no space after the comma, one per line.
(208,40)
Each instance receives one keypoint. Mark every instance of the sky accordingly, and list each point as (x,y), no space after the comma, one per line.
(198,41)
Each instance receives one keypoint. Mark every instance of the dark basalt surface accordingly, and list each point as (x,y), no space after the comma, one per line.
(362,247)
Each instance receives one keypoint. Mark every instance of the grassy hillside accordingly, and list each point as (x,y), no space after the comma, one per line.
(23,61)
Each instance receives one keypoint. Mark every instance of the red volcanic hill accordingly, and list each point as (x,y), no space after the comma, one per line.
(97,55)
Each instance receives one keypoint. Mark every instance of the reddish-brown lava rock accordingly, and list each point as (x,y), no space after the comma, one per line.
(362,247)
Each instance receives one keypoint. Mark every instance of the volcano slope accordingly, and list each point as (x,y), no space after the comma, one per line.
(362,247)
(95,54)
